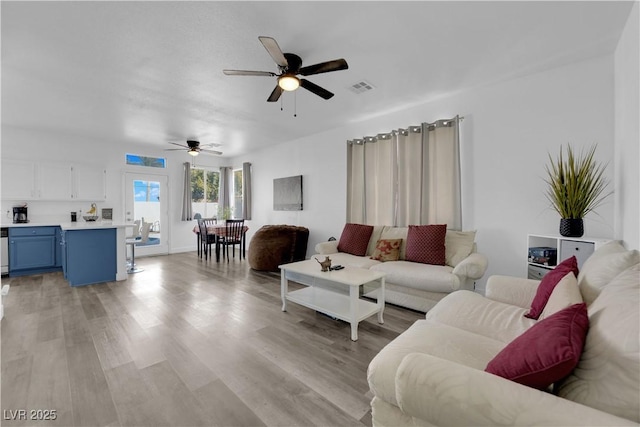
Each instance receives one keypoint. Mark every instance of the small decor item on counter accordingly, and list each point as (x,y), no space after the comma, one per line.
(74,216)
(576,187)
(91,213)
(324,265)
(107,214)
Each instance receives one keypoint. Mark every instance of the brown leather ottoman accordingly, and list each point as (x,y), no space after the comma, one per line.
(273,245)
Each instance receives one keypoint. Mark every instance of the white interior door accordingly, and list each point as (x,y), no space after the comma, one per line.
(146,201)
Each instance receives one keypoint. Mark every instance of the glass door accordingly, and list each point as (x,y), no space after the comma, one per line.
(146,199)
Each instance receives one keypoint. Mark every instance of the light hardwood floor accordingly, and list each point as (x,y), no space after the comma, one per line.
(187,342)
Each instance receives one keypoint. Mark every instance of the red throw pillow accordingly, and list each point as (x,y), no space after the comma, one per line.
(425,244)
(548,282)
(546,352)
(355,239)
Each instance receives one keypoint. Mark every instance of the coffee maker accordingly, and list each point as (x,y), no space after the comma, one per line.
(20,214)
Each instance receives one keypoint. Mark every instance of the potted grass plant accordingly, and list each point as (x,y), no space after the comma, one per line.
(576,186)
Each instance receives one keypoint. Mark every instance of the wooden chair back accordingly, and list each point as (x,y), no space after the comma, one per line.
(235,228)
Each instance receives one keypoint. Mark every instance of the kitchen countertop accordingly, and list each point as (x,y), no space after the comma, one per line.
(81,225)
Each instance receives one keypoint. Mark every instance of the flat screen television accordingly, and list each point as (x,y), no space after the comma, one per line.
(287,193)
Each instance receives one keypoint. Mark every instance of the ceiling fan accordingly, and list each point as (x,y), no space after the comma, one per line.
(193,148)
(290,65)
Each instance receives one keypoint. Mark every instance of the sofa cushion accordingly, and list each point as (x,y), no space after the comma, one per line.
(433,278)
(348,260)
(545,353)
(425,244)
(373,240)
(602,266)
(458,245)
(432,338)
(565,294)
(548,282)
(355,239)
(470,311)
(387,250)
(397,233)
(607,376)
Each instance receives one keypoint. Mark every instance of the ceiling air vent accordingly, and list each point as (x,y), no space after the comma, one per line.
(360,87)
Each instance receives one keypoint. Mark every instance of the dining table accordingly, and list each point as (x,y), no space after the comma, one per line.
(220,231)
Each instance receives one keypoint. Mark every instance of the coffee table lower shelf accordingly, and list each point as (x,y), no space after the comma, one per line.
(332,303)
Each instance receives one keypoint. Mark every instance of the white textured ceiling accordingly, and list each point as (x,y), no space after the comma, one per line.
(151,72)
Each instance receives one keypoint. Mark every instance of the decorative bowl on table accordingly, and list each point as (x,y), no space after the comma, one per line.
(90,217)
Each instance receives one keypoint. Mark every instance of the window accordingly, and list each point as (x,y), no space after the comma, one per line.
(205,185)
(152,162)
(237,193)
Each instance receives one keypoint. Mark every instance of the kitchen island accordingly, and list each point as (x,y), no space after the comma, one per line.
(93,252)
(87,252)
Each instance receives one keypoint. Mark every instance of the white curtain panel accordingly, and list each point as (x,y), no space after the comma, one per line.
(355,181)
(406,177)
(411,176)
(246,190)
(224,188)
(379,181)
(187,214)
(442,203)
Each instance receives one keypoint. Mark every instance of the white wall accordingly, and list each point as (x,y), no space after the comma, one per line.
(41,146)
(507,132)
(627,133)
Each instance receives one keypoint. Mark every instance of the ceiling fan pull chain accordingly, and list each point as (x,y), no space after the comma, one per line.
(281,108)
(295,104)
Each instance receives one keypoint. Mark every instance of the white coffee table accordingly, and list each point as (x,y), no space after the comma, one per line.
(344,306)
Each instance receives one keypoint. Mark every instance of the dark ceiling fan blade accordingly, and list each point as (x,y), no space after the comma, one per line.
(218,153)
(275,95)
(274,50)
(312,87)
(248,73)
(176,149)
(324,67)
(179,145)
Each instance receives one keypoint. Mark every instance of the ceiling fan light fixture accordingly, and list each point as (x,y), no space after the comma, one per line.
(288,82)
(193,152)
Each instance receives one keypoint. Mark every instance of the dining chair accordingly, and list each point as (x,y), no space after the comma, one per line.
(206,239)
(232,237)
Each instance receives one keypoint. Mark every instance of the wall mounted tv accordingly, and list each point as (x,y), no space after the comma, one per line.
(287,193)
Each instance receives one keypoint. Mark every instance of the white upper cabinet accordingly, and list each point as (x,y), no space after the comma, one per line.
(18,180)
(90,183)
(26,180)
(55,181)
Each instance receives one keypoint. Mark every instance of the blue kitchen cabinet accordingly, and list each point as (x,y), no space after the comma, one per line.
(89,256)
(32,250)
(59,247)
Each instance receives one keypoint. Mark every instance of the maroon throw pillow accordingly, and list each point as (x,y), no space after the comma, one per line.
(548,282)
(547,352)
(355,239)
(425,244)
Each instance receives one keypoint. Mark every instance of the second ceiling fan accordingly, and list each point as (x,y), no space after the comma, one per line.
(290,66)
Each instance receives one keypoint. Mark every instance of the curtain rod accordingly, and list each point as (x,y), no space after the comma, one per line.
(413,129)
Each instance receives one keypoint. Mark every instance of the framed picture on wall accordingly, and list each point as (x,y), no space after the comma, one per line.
(287,193)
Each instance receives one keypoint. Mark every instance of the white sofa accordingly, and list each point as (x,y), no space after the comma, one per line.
(411,284)
(434,372)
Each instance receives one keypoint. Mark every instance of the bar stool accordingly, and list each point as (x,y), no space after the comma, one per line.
(131,267)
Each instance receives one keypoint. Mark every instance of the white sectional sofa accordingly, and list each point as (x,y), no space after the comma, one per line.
(434,373)
(415,285)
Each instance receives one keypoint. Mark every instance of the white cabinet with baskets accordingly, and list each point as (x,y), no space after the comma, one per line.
(547,251)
